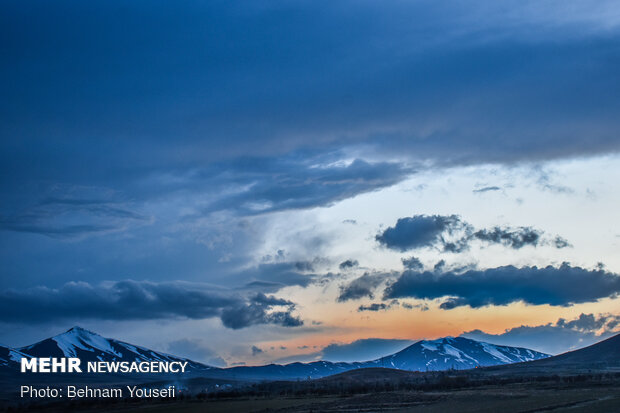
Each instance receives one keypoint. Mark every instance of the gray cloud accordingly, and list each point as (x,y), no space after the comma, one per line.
(545,182)
(256,351)
(270,87)
(360,287)
(590,322)
(412,263)
(363,349)
(267,107)
(71,217)
(359,350)
(142,300)
(560,242)
(255,311)
(558,337)
(373,307)
(197,350)
(409,306)
(510,237)
(486,189)
(274,276)
(420,231)
(348,264)
(452,234)
(561,286)
(439,266)
(378,306)
(252,314)
(281,185)
(66,231)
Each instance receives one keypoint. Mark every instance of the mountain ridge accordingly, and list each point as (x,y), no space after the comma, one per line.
(425,355)
(602,356)
(89,346)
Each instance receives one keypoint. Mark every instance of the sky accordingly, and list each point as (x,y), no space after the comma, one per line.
(276,181)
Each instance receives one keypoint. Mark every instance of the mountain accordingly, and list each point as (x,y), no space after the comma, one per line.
(292,371)
(442,354)
(10,357)
(89,346)
(455,353)
(602,356)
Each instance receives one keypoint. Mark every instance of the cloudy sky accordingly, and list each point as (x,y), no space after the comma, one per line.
(252,182)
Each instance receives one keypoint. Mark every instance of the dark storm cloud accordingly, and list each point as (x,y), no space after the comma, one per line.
(562,286)
(451,234)
(66,231)
(94,206)
(246,186)
(216,79)
(360,287)
(554,338)
(294,185)
(143,300)
(203,108)
(71,217)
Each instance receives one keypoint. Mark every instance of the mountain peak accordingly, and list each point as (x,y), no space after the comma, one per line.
(440,340)
(80,333)
(457,352)
(89,346)
(78,329)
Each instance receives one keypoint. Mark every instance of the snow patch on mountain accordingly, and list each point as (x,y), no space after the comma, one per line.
(492,350)
(428,345)
(79,338)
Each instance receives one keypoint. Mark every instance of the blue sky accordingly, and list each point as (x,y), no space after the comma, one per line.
(202,169)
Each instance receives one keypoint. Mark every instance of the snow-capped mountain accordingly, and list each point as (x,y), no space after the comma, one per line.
(455,353)
(442,354)
(89,346)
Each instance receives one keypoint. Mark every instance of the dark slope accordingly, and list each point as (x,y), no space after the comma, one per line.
(10,357)
(603,356)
